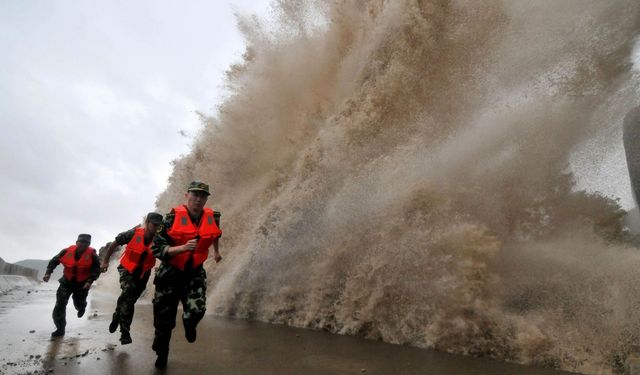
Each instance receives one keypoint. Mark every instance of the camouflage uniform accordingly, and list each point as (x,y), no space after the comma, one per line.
(174,286)
(70,288)
(132,286)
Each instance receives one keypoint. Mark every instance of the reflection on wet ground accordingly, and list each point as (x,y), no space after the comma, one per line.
(224,346)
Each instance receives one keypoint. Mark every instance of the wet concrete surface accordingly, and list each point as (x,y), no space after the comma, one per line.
(224,346)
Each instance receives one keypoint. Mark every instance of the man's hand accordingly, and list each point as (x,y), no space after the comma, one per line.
(190,245)
(86,285)
(46,277)
(104,267)
(217,257)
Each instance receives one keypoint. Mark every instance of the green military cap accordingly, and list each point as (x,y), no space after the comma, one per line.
(198,186)
(84,238)
(154,218)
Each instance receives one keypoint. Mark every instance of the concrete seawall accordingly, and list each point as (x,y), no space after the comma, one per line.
(13,276)
(13,269)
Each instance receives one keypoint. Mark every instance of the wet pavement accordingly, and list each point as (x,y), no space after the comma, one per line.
(224,346)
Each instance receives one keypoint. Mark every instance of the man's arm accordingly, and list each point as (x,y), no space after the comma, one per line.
(216,247)
(94,273)
(53,263)
(216,251)
(104,263)
(121,240)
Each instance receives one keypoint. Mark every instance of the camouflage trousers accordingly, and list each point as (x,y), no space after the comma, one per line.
(172,287)
(65,290)
(132,286)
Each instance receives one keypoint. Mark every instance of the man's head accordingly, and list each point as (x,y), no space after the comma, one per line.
(153,221)
(198,186)
(197,195)
(83,241)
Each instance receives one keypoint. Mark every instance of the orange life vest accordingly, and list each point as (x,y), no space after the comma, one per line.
(184,230)
(133,253)
(79,269)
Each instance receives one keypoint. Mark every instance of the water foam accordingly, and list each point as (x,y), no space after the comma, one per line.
(401,171)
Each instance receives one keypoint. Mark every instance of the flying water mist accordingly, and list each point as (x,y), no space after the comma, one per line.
(399,170)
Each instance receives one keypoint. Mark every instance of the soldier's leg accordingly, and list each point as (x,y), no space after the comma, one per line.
(165,309)
(80,298)
(124,282)
(124,300)
(194,303)
(60,309)
(132,288)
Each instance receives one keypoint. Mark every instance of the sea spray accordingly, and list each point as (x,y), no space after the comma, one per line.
(400,170)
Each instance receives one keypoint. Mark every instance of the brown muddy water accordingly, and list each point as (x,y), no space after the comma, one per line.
(224,346)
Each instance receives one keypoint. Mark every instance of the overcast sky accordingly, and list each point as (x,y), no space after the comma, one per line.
(93,98)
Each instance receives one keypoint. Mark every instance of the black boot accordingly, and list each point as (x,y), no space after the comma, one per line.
(161,361)
(125,338)
(57,333)
(114,323)
(190,331)
(81,312)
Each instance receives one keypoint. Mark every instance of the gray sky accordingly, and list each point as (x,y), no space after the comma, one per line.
(93,97)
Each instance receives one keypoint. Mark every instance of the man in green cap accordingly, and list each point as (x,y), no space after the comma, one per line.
(135,267)
(81,269)
(182,244)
